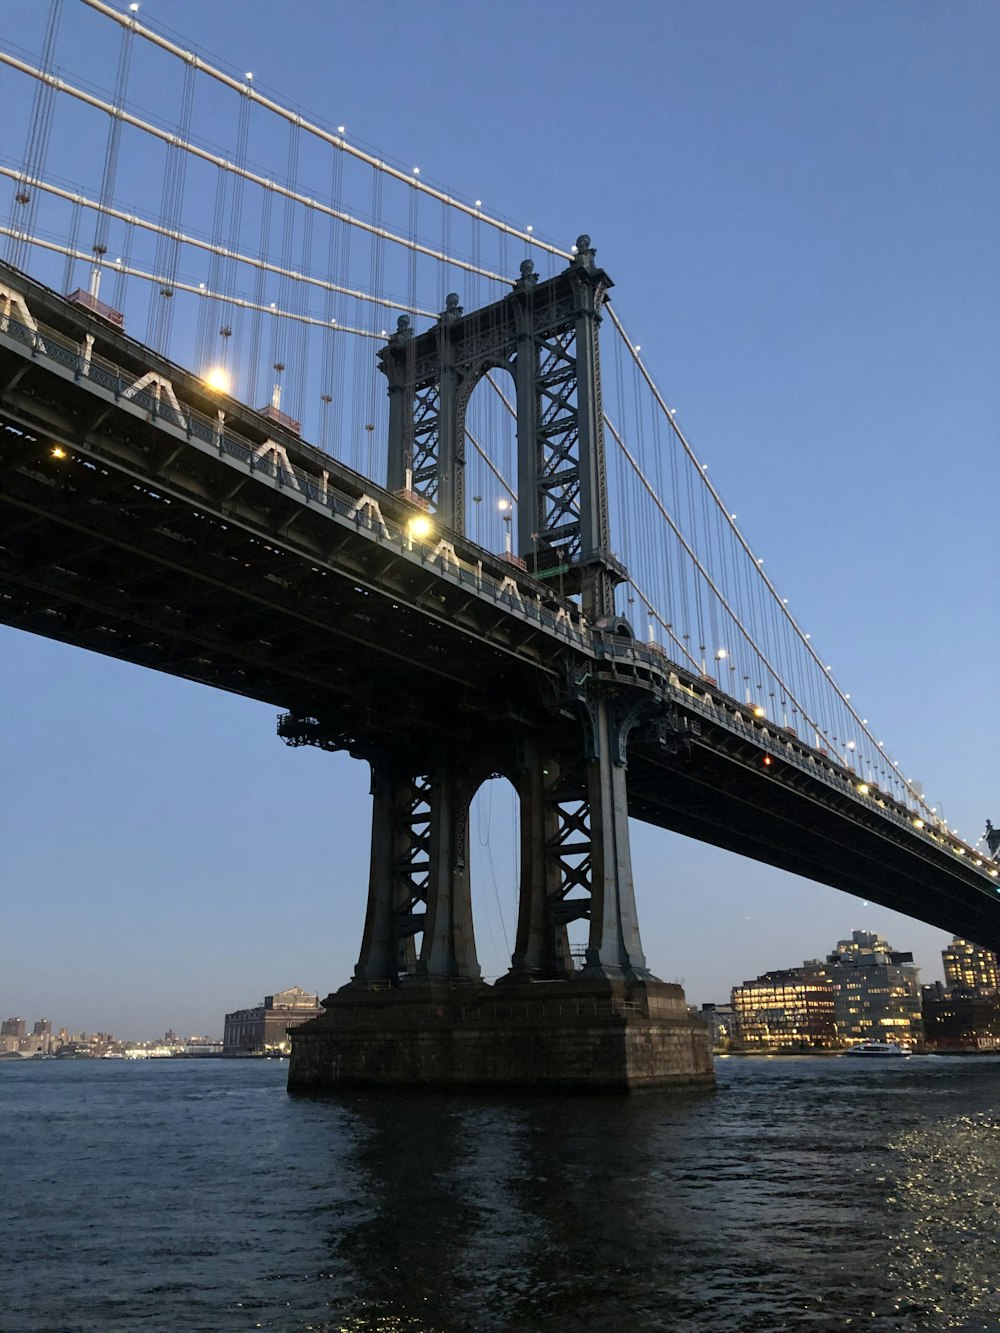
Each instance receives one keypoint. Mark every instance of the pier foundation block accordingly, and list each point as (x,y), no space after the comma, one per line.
(599,1035)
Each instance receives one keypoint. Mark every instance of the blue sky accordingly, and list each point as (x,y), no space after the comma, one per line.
(798,205)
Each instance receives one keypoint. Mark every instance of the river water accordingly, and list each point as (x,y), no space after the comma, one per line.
(805,1193)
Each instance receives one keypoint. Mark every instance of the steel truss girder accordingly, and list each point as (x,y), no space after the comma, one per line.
(171,542)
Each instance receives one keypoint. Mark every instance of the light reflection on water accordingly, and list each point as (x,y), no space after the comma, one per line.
(946,1187)
(805,1194)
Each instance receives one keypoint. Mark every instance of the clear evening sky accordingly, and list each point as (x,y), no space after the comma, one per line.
(798,204)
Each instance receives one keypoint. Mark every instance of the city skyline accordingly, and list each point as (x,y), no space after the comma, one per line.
(951,950)
(796,207)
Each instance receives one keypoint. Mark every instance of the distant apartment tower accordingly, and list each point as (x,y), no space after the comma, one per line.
(876,990)
(41,1040)
(264,1028)
(13,1027)
(791,1009)
(970,968)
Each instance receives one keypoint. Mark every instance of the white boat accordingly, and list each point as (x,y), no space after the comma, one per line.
(880,1050)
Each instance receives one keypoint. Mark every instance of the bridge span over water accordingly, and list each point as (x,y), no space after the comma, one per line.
(148,518)
(333,553)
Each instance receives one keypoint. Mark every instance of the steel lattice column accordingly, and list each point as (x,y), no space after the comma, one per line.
(553,808)
(449,945)
(426,428)
(398,878)
(615,948)
(562,477)
(419,876)
(575,856)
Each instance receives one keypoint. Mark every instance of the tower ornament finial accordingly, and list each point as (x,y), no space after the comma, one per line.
(528,275)
(585,252)
(452,308)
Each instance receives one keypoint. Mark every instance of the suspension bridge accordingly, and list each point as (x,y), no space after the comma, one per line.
(333,438)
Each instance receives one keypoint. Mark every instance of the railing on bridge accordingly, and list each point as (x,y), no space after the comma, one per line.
(514,590)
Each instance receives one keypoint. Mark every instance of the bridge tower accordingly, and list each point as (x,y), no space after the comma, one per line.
(424,1015)
(546,335)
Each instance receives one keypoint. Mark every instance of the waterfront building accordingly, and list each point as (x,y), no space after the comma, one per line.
(790,1009)
(264,1029)
(41,1039)
(967,967)
(720,1020)
(961,1020)
(13,1027)
(876,990)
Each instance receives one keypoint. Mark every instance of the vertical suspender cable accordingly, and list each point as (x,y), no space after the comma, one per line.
(24,205)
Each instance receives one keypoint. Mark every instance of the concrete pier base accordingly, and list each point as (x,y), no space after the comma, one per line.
(600,1035)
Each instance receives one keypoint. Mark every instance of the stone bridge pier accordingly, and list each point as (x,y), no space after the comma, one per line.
(417,1011)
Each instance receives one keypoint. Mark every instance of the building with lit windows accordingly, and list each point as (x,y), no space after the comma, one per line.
(876,990)
(961,1020)
(264,1029)
(967,967)
(792,1009)
(720,1020)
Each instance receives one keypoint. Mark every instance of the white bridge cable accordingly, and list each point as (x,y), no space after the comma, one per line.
(337,141)
(222,252)
(500,394)
(439,257)
(791,693)
(619,440)
(189,287)
(265,183)
(491,465)
(804,642)
(695,560)
(664,625)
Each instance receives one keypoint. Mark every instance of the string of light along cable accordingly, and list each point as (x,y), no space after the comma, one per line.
(664,625)
(165,136)
(845,701)
(749,638)
(120,115)
(243,304)
(183,238)
(247,89)
(776,676)
(692,555)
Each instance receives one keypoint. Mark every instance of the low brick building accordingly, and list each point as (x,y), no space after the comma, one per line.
(263,1030)
(961,1020)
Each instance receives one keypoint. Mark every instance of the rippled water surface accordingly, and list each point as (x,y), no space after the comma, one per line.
(814,1194)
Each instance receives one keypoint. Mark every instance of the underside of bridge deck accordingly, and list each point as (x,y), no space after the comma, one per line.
(720,794)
